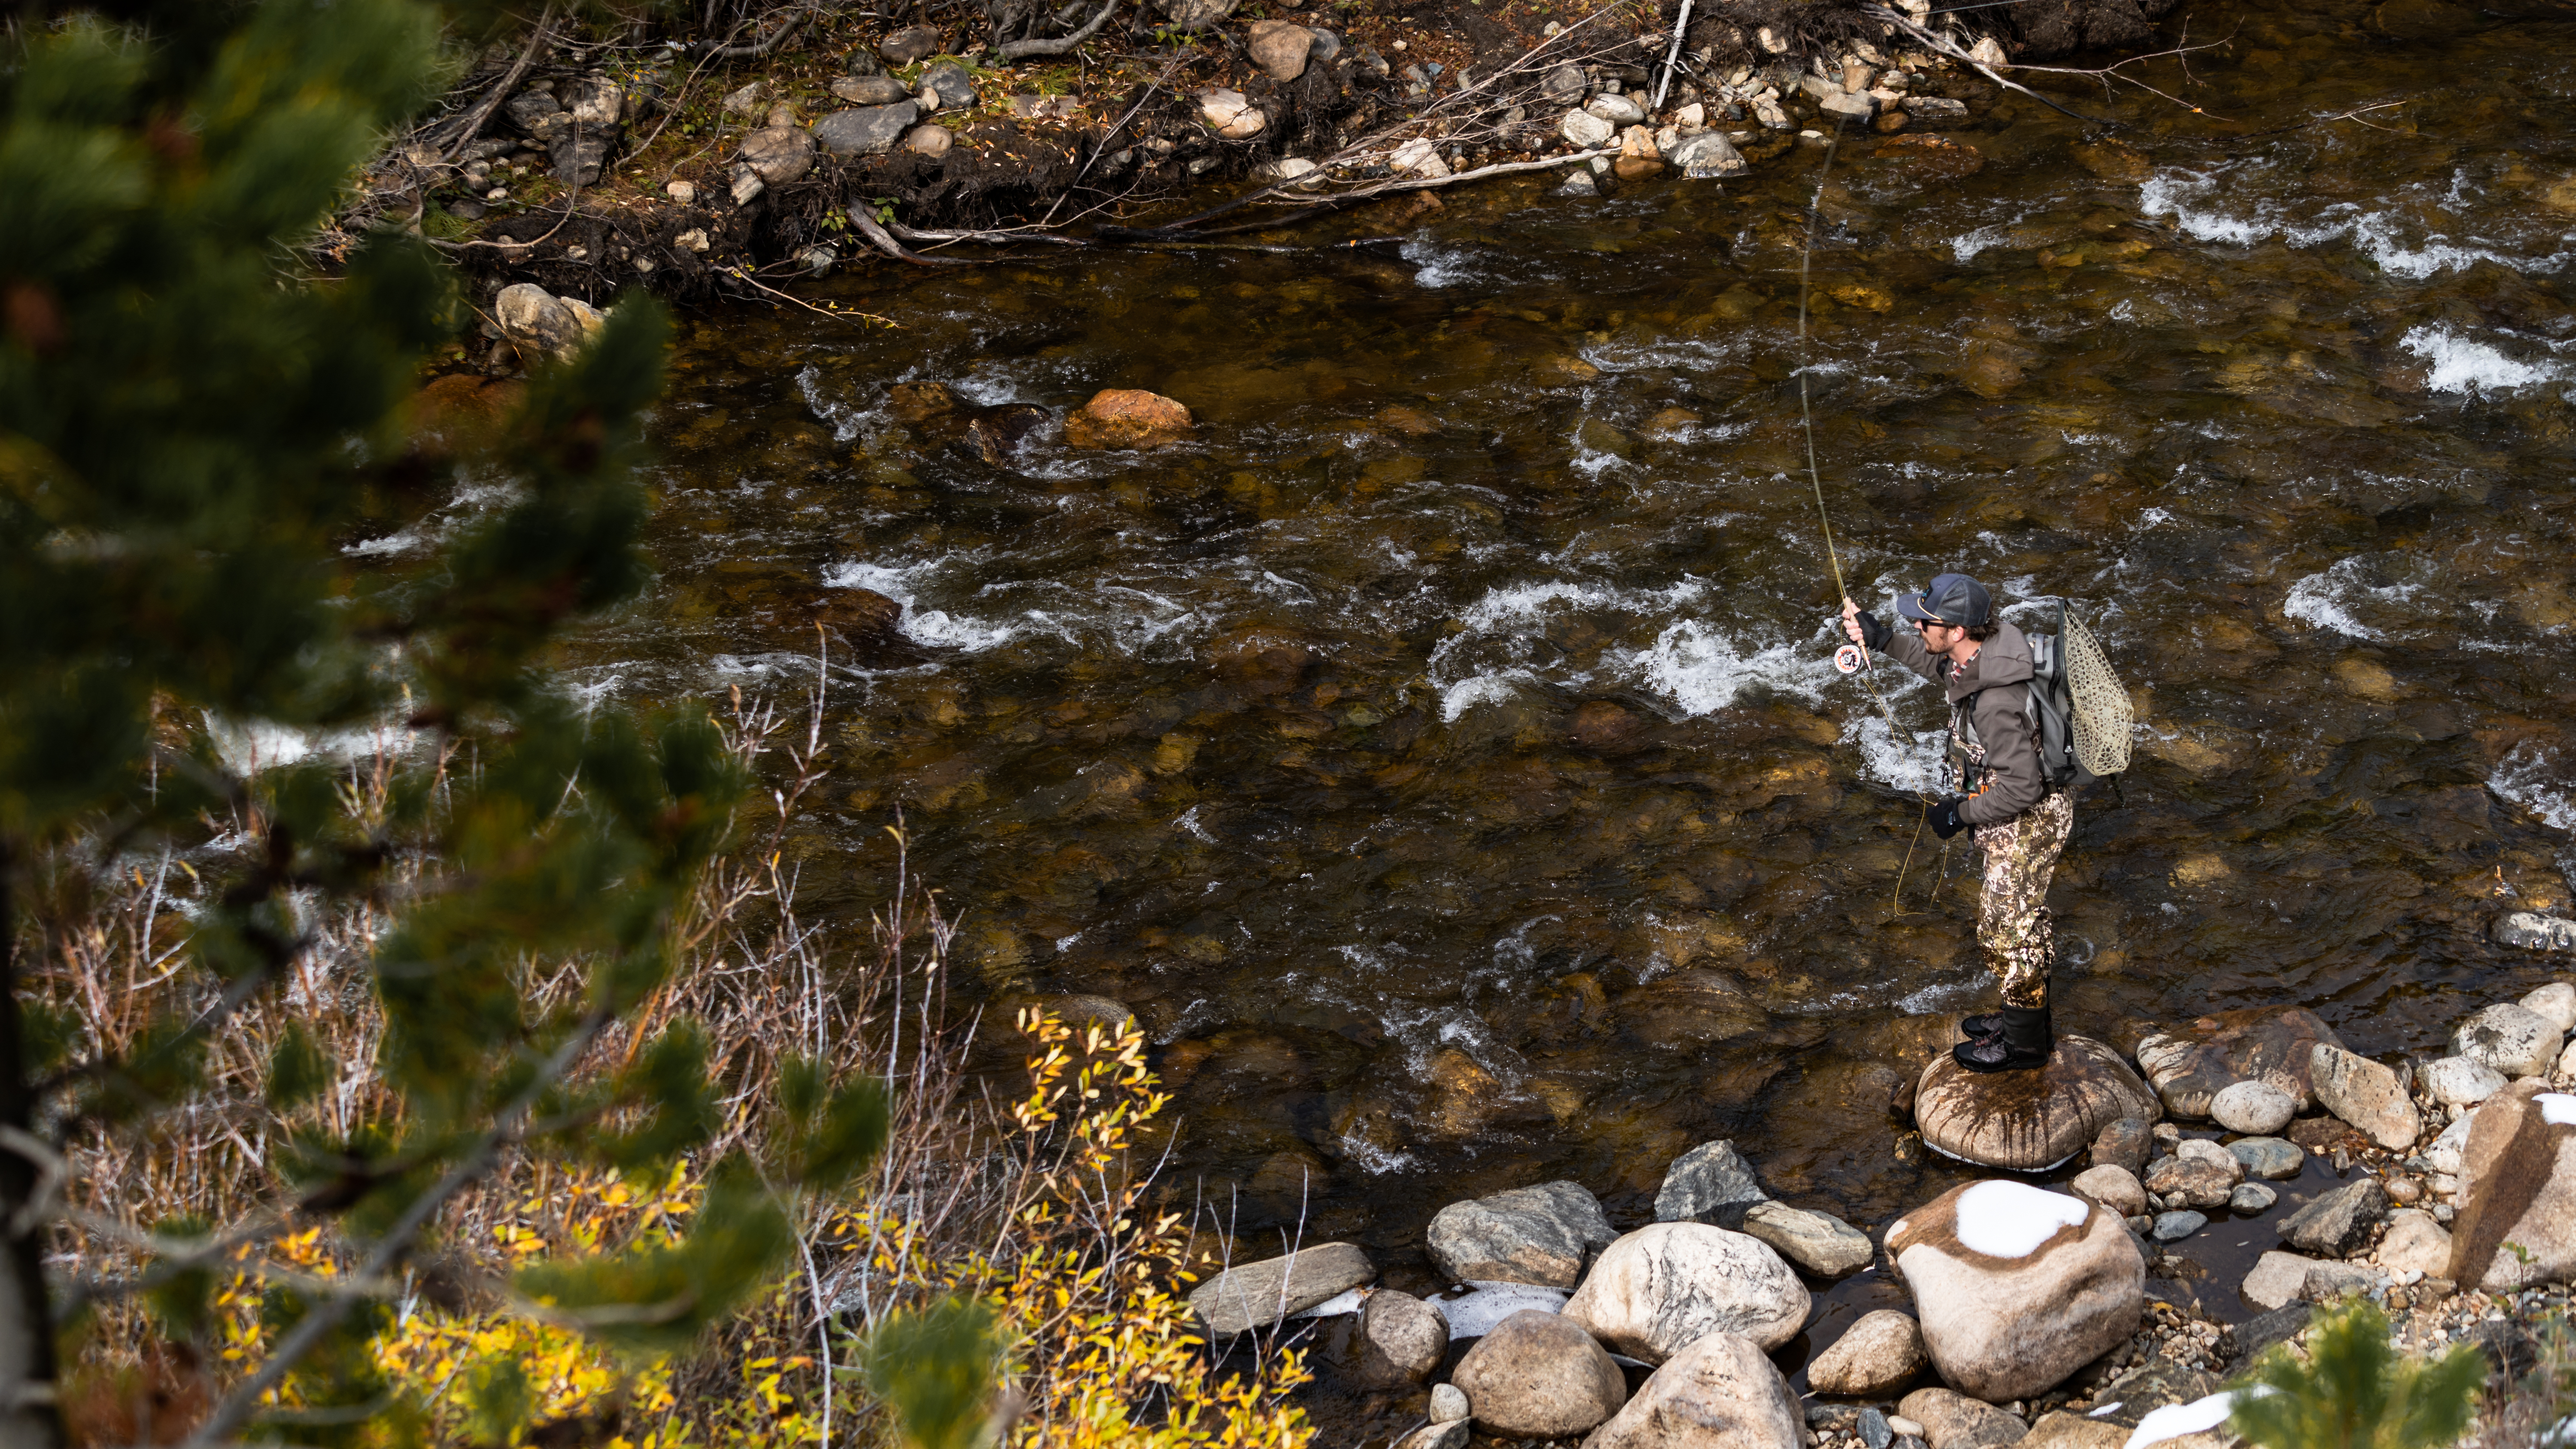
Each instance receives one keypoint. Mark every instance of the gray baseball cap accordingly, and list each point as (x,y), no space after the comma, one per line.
(1950,599)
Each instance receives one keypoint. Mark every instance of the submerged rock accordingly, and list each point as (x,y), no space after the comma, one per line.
(1720,1392)
(2517,1188)
(1875,1356)
(1541,1235)
(1656,1290)
(1537,1376)
(2189,1068)
(2536,932)
(2017,1287)
(1257,1295)
(2028,1120)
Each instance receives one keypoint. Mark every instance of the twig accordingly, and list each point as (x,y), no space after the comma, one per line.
(885,243)
(1018,49)
(1882,13)
(1671,57)
(766,43)
(481,114)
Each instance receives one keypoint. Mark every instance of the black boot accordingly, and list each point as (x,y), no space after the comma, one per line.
(1990,1023)
(2024,1044)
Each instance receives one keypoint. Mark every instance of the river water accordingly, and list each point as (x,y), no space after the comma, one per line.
(1442,754)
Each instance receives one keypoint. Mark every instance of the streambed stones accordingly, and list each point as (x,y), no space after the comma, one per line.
(2512,1039)
(2365,1094)
(1541,1235)
(2028,1120)
(2253,1107)
(2017,1287)
(1875,1355)
(1659,1289)
(1720,1392)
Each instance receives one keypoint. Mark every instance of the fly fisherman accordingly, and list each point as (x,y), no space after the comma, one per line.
(1998,788)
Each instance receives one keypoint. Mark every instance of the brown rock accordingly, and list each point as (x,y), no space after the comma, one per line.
(1401,1340)
(1280,48)
(1412,422)
(2016,1287)
(2125,1144)
(2028,1120)
(2365,1094)
(2113,1187)
(2517,1188)
(1719,1393)
(1537,1376)
(2256,1044)
(913,401)
(996,435)
(1127,418)
(1605,728)
(1637,168)
(2065,1430)
(1873,1358)
(1955,1421)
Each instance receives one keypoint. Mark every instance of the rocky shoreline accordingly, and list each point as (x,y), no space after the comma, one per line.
(2033,1321)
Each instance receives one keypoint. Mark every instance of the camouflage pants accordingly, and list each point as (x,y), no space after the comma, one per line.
(2012,915)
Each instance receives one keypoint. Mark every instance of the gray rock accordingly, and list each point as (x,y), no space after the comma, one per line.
(2461,1081)
(2192,1181)
(1953,1420)
(955,87)
(1195,15)
(1658,1289)
(536,115)
(747,99)
(2365,1094)
(2127,1143)
(540,324)
(778,154)
(1850,107)
(2174,1227)
(929,140)
(1539,1376)
(1873,1429)
(1875,1356)
(918,42)
(2446,1153)
(1257,1295)
(2250,1198)
(2277,1279)
(1821,1243)
(1711,1183)
(867,130)
(2255,1107)
(2554,1003)
(1617,110)
(1933,112)
(2115,1188)
(1541,1235)
(1441,1433)
(1579,182)
(1448,1404)
(2157,1384)
(1721,1392)
(1586,131)
(2536,932)
(2512,1039)
(2271,1157)
(2266,1329)
(869,90)
(2327,1282)
(2338,1223)
(1401,1340)
(1708,156)
(1563,84)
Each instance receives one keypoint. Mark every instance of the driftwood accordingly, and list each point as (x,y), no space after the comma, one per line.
(1021,49)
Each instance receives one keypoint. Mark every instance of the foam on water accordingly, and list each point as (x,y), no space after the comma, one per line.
(1701,669)
(2176,193)
(1466,694)
(2533,778)
(1912,764)
(1440,266)
(2466,365)
(2327,599)
(248,746)
(925,626)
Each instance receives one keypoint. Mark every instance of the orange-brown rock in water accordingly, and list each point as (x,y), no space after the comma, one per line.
(2028,1120)
(913,401)
(1127,418)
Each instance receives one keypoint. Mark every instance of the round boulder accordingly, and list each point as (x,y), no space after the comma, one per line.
(1401,1340)
(1719,1393)
(2017,1287)
(2256,1108)
(1873,1358)
(2026,1121)
(2514,1040)
(2460,1082)
(1659,1289)
(1538,1376)
(1122,417)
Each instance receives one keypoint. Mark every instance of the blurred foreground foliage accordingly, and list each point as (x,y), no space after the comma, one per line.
(2353,1390)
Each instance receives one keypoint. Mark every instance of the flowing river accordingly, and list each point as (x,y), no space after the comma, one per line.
(1442,755)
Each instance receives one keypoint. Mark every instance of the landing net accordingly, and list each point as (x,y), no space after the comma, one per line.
(2102,713)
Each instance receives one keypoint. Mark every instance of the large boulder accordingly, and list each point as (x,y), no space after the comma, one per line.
(1121,417)
(1955,1421)
(1873,1358)
(1543,1235)
(866,130)
(2517,1218)
(1658,1289)
(1537,1376)
(2514,1040)
(1821,1243)
(1400,1342)
(542,325)
(1711,1183)
(2189,1068)
(2365,1094)
(2017,1287)
(2337,1224)
(1721,1392)
(1257,1295)
(2026,1121)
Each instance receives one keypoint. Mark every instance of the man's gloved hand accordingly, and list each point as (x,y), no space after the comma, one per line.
(1945,818)
(1863,627)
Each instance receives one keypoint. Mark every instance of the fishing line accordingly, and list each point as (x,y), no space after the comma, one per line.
(1815,481)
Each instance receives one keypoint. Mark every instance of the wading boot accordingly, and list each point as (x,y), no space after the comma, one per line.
(1988,1023)
(2023,1045)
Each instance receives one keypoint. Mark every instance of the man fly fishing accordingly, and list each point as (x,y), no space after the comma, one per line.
(1998,787)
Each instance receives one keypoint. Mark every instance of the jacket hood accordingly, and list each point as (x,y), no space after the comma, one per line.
(2004,659)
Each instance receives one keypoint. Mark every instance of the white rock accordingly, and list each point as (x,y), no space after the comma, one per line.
(2554,1003)
(2016,1287)
(1719,1392)
(1666,1285)
(1987,52)
(1421,157)
(1586,131)
(2257,1109)
(682,192)
(2461,1082)
(2511,1039)
(1296,170)
(2443,1157)
(1448,1404)
(1693,117)
(1617,110)
(2415,1243)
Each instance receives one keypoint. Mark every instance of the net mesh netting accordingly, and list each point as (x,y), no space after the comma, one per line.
(2102,713)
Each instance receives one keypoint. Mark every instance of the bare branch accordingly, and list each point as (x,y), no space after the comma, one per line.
(1019,49)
